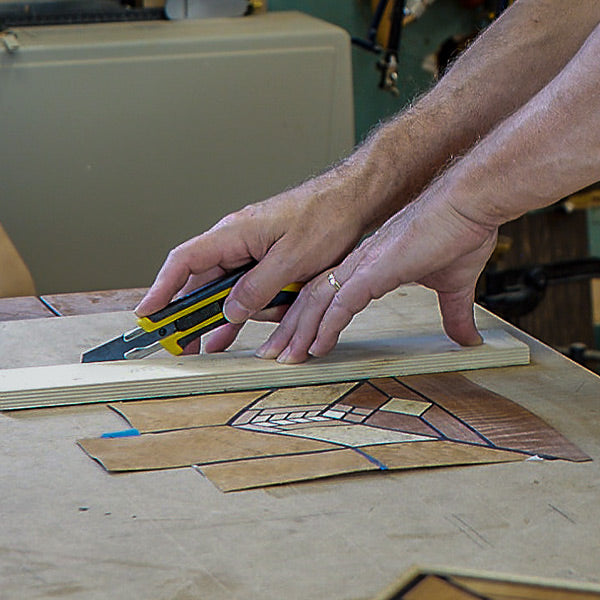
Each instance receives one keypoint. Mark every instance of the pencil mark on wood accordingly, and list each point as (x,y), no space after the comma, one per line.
(562,514)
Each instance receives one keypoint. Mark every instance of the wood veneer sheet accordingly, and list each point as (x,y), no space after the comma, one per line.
(503,422)
(190,446)
(247,474)
(183,413)
(433,587)
(446,584)
(512,590)
(244,440)
(236,476)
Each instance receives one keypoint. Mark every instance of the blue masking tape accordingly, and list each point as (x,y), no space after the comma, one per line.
(118,434)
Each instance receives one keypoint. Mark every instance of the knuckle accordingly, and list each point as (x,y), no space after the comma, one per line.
(344,306)
(174,253)
(229,220)
(179,252)
(312,294)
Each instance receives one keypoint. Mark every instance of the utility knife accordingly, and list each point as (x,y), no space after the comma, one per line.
(180,322)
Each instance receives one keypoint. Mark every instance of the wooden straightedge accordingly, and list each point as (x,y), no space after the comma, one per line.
(104,382)
(397,335)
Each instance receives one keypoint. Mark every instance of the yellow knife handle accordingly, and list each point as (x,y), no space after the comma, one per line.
(191,316)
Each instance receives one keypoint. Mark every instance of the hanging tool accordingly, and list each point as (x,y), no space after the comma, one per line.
(180,322)
(388,64)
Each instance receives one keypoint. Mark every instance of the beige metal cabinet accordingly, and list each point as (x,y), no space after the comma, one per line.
(121,140)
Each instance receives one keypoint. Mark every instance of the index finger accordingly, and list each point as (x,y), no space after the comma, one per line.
(201,256)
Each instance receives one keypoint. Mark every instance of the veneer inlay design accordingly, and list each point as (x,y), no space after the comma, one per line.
(244,440)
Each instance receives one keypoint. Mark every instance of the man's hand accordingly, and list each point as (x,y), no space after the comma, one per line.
(294,236)
(540,101)
(427,242)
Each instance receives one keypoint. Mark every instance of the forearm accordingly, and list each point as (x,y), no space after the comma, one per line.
(507,65)
(543,152)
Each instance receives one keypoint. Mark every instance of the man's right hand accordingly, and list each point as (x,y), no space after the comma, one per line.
(292,236)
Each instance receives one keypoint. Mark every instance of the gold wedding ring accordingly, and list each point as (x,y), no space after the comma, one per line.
(334,282)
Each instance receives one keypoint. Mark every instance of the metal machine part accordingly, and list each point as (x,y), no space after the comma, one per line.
(203,9)
(388,63)
(70,12)
(512,293)
(65,12)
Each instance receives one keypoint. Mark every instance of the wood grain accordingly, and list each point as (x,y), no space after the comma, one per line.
(433,587)
(417,584)
(412,455)
(451,427)
(261,472)
(505,590)
(365,396)
(181,413)
(504,423)
(22,308)
(392,387)
(192,446)
(400,422)
(305,396)
(86,303)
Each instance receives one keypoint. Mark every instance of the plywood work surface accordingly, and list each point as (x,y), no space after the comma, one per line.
(69,529)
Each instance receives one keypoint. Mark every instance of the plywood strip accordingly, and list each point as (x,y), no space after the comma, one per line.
(105,382)
(400,334)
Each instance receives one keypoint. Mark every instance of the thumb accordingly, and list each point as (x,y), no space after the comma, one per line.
(256,289)
(458,318)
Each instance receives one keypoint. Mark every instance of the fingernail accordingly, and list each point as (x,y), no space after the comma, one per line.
(235,312)
(139,310)
(283,357)
(266,351)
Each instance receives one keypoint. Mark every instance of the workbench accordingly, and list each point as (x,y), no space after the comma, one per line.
(71,530)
